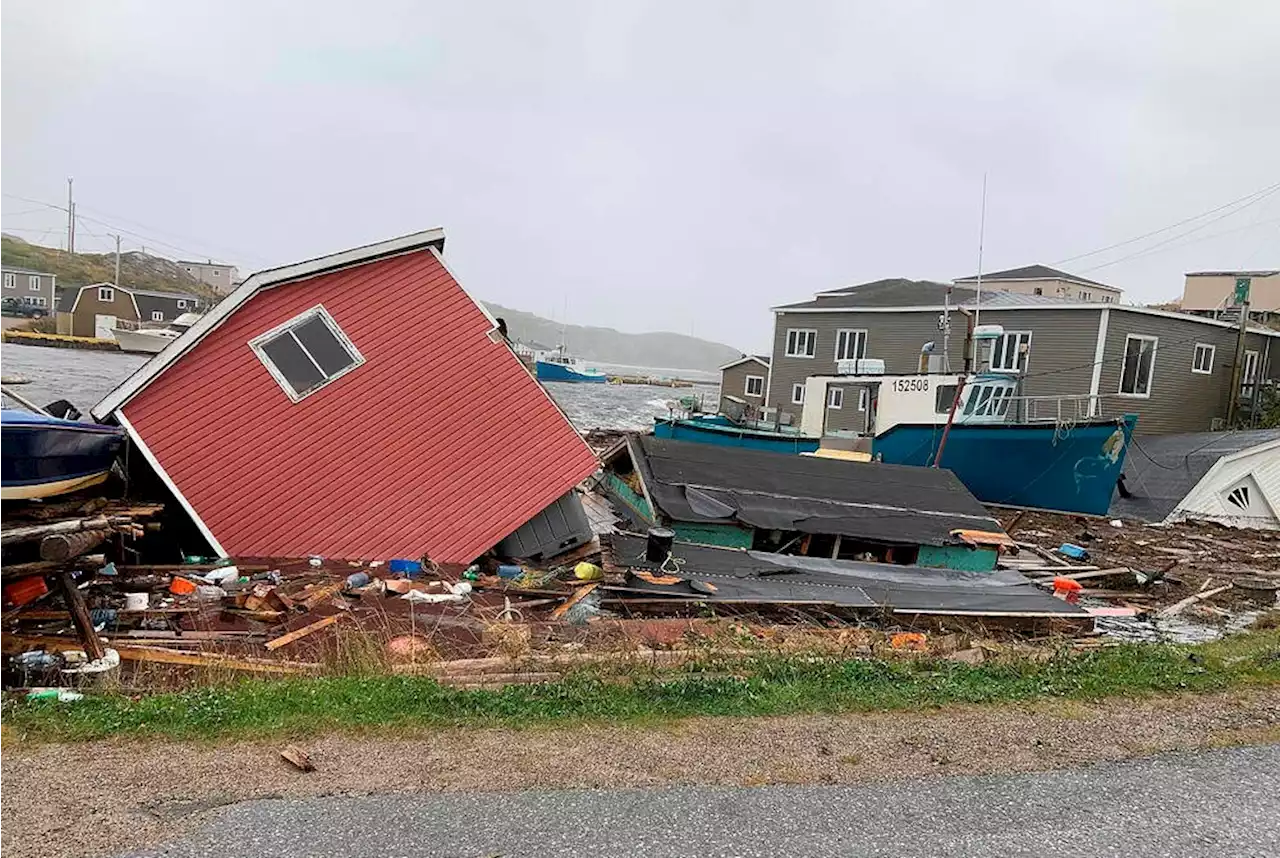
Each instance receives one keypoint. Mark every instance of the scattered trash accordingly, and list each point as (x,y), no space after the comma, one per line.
(585,571)
(1115,522)
(510,572)
(357,580)
(404,567)
(298,758)
(1073,551)
(909,640)
(109,661)
(136,601)
(181,586)
(62,695)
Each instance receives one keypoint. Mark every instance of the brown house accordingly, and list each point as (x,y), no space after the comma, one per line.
(95,310)
(745,378)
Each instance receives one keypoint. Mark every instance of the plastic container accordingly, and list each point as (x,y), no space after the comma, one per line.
(585,571)
(136,601)
(507,571)
(181,587)
(357,579)
(408,568)
(21,592)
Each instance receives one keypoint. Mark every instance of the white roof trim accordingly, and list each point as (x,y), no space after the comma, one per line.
(134,384)
(171,485)
(741,360)
(1181,512)
(1094,305)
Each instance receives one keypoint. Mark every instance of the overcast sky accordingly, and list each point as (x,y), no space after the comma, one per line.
(659,166)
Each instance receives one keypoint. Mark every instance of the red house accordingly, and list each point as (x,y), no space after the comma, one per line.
(360,405)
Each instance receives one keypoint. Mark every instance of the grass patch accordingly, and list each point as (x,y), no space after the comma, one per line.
(770,685)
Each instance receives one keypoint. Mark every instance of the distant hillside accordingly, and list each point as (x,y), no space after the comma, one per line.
(674,351)
(137,269)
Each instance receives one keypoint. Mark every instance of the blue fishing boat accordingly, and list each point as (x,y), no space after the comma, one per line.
(720,430)
(46,456)
(559,366)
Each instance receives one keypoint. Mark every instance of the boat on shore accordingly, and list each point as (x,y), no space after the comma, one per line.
(153,340)
(560,366)
(722,431)
(45,456)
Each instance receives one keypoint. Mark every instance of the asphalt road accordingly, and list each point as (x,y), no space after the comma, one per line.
(1215,803)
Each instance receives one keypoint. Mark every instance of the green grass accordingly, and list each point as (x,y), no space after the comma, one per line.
(773,685)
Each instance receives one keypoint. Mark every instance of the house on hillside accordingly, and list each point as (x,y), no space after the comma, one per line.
(97,309)
(818,507)
(33,288)
(1043,280)
(1212,292)
(222,277)
(1090,357)
(744,379)
(300,416)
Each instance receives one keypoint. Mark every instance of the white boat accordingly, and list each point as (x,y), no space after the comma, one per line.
(153,340)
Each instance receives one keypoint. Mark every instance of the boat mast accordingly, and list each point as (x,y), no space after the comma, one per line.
(977,310)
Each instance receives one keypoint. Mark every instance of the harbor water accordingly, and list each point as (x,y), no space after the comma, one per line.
(84,377)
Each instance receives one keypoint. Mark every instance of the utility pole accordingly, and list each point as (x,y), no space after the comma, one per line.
(1237,369)
(71,218)
(117,280)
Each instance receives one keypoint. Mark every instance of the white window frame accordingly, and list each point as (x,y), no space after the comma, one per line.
(1208,348)
(746,388)
(1151,376)
(1249,373)
(1016,337)
(835,398)
(33,283)
(795,336)
(797,393)
(157,316)
(259,342)
(216,272)
(862,399)
(35,301)
(106,294)
(11,281)
(182,303)
(858,337)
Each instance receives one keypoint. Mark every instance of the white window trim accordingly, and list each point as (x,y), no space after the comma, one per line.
(157,316)
(1249,379)
(1151,378)
(1017,355)
(810,337)
(33,283)
(746,387)
(1213,354)
(797,393)
(851,334)
(835,398)
(182,304)
(108,292)
(258,342)
(862,399)
(11,281)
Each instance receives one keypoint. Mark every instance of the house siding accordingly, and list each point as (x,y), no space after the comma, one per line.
(88,307)
(441,442)
(22,288)
(1181,400)
(733,382)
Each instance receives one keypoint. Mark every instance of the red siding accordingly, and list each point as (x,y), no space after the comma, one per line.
(440,443)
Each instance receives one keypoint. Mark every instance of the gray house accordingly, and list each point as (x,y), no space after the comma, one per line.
(33,288)
(745,378)
(1172,369)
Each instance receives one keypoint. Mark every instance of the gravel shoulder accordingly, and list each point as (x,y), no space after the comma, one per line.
(108,797)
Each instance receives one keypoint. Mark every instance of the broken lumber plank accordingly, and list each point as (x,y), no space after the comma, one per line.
(40,531)
(1178,607)
(44,567)
(298,634)
(80,617)
(310,598)
(1085,575)
(161,655)
(578,596)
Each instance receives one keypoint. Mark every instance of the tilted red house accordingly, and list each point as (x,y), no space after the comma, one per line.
(361,405)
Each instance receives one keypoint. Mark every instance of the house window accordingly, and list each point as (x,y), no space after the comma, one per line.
(1010,352)
(157,316)
(1139,365)
(797,394)
(1086,296)
(862,399)
(1250,374)
(306,352)
(33,283)
(182,305)
(1106,299)
(11,281)
(215,272)
(106,294)
(851,345)
(1037,291)
(755,385)
(835,397)
(1202,361)
(34,301)
(802,343)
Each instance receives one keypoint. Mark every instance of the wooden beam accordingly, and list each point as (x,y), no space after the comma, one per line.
(298,634)
(577,597)
(64,546)
(1178,607)
(44,567)
(80,617)
(160,655)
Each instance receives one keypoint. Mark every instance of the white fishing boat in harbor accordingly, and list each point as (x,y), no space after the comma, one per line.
(153,340)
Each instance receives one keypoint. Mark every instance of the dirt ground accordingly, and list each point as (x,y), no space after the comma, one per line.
(103,798)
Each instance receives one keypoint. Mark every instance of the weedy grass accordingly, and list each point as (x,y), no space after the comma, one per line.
(771,684)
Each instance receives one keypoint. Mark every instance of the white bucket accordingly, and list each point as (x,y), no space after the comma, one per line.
(136,601)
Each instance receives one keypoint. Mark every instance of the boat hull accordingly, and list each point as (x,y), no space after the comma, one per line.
(559,372)
(45,456)
(723,433)
(1024,465)
(136,341)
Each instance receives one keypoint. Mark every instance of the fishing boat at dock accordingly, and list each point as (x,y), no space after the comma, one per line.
(560,366)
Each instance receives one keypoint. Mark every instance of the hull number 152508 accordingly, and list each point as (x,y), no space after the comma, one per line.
(902,385)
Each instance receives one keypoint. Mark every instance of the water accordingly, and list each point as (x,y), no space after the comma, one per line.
(85,377)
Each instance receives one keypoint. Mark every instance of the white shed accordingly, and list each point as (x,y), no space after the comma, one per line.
(1241,489)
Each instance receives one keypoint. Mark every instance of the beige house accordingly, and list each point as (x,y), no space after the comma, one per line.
(1043,280)
(1206,291)
(220,276)
(747,379)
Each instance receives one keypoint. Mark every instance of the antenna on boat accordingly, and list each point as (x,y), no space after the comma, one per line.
(982,228)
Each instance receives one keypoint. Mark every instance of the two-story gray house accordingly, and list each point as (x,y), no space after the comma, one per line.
(1172,369)
(33,288)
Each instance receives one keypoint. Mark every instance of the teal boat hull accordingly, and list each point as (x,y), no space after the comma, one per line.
(559,372)
(724,433)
